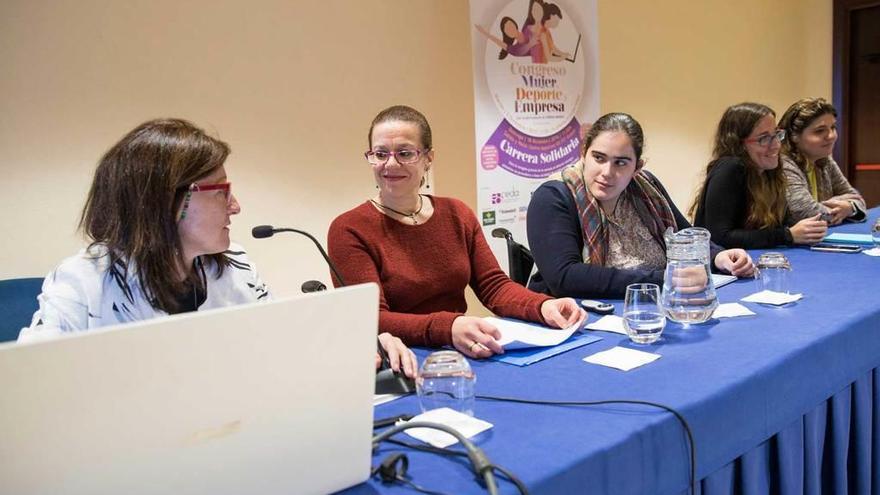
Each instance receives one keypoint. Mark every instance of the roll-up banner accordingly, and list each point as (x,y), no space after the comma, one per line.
(536,92)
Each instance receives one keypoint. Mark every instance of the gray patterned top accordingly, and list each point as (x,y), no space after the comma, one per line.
(830,183)
(630,244)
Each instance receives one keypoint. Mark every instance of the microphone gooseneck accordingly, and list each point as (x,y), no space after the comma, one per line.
(264,231)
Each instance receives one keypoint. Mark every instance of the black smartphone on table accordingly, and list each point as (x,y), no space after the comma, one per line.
(835,248)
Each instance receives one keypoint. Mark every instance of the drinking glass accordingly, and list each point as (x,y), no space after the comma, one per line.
(875,233)
(643,317)
(446,380)
(773,272)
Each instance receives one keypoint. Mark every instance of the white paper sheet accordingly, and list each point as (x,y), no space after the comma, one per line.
(731,310)
(720,280)
(771,297)
(608,323)
(519,335)
(383,398)
(622,358)
(464,424)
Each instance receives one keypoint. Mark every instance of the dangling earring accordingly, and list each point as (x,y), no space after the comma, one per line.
(426,180)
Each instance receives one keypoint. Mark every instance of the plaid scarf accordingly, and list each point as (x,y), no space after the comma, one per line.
(651,206)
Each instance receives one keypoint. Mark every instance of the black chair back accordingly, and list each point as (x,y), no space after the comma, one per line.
(18,302)
(520,262)
(519,258)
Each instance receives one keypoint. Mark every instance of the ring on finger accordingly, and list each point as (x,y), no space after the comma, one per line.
(471,347)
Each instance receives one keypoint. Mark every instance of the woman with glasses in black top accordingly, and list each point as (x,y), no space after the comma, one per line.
(742,199)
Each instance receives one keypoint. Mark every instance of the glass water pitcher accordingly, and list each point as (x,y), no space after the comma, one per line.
(688,292)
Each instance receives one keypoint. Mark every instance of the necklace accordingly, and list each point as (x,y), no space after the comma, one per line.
(411,216)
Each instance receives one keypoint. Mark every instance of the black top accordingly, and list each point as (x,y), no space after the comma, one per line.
(193,295)
(723,209)
(190,299)
(557,244)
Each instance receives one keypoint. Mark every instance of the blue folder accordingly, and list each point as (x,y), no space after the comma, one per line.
(530,355)
(845,238)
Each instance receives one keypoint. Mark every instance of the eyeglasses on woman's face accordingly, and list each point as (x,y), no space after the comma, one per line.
(406,156)
(767,139)
(226,187)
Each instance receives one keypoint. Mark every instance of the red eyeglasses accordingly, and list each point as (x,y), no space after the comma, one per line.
(226,187)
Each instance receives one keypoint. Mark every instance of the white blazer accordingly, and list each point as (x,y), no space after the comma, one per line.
(85,292)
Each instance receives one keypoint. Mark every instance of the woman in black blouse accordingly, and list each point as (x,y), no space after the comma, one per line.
(742,200)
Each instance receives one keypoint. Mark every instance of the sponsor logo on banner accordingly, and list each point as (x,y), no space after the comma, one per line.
(506,216)
(489,217)
(504,197)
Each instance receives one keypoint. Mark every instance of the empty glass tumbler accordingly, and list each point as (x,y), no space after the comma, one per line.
(446,380)
(773,272)
(642,314)
(688,291)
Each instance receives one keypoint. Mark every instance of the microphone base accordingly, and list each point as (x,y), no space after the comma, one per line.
(388,382)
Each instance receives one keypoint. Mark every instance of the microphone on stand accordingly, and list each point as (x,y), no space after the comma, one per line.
(264,231)
(387,381)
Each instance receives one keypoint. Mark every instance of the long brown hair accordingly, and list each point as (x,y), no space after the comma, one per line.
(795,121)
(135,197)
(766,190)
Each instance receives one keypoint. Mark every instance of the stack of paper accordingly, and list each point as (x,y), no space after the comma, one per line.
(519,334)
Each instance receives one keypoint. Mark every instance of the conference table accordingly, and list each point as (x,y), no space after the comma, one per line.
(786,401)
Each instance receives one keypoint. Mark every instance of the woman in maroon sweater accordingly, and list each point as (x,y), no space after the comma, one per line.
(424,250)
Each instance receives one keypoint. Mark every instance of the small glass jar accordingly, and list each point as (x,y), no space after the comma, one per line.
(773,273)
(446,380)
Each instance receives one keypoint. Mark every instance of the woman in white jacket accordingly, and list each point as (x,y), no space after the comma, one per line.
(157,217)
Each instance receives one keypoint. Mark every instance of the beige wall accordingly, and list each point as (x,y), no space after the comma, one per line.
(292,86)
(677,64)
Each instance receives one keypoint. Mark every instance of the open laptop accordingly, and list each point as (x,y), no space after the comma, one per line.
(265,398)
(577,46)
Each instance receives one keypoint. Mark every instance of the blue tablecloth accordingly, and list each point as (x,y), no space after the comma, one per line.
(783,402)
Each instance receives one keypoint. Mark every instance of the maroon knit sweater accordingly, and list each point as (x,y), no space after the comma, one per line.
(422,270)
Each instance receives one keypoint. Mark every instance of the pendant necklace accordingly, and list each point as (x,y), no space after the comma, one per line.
(411,216)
